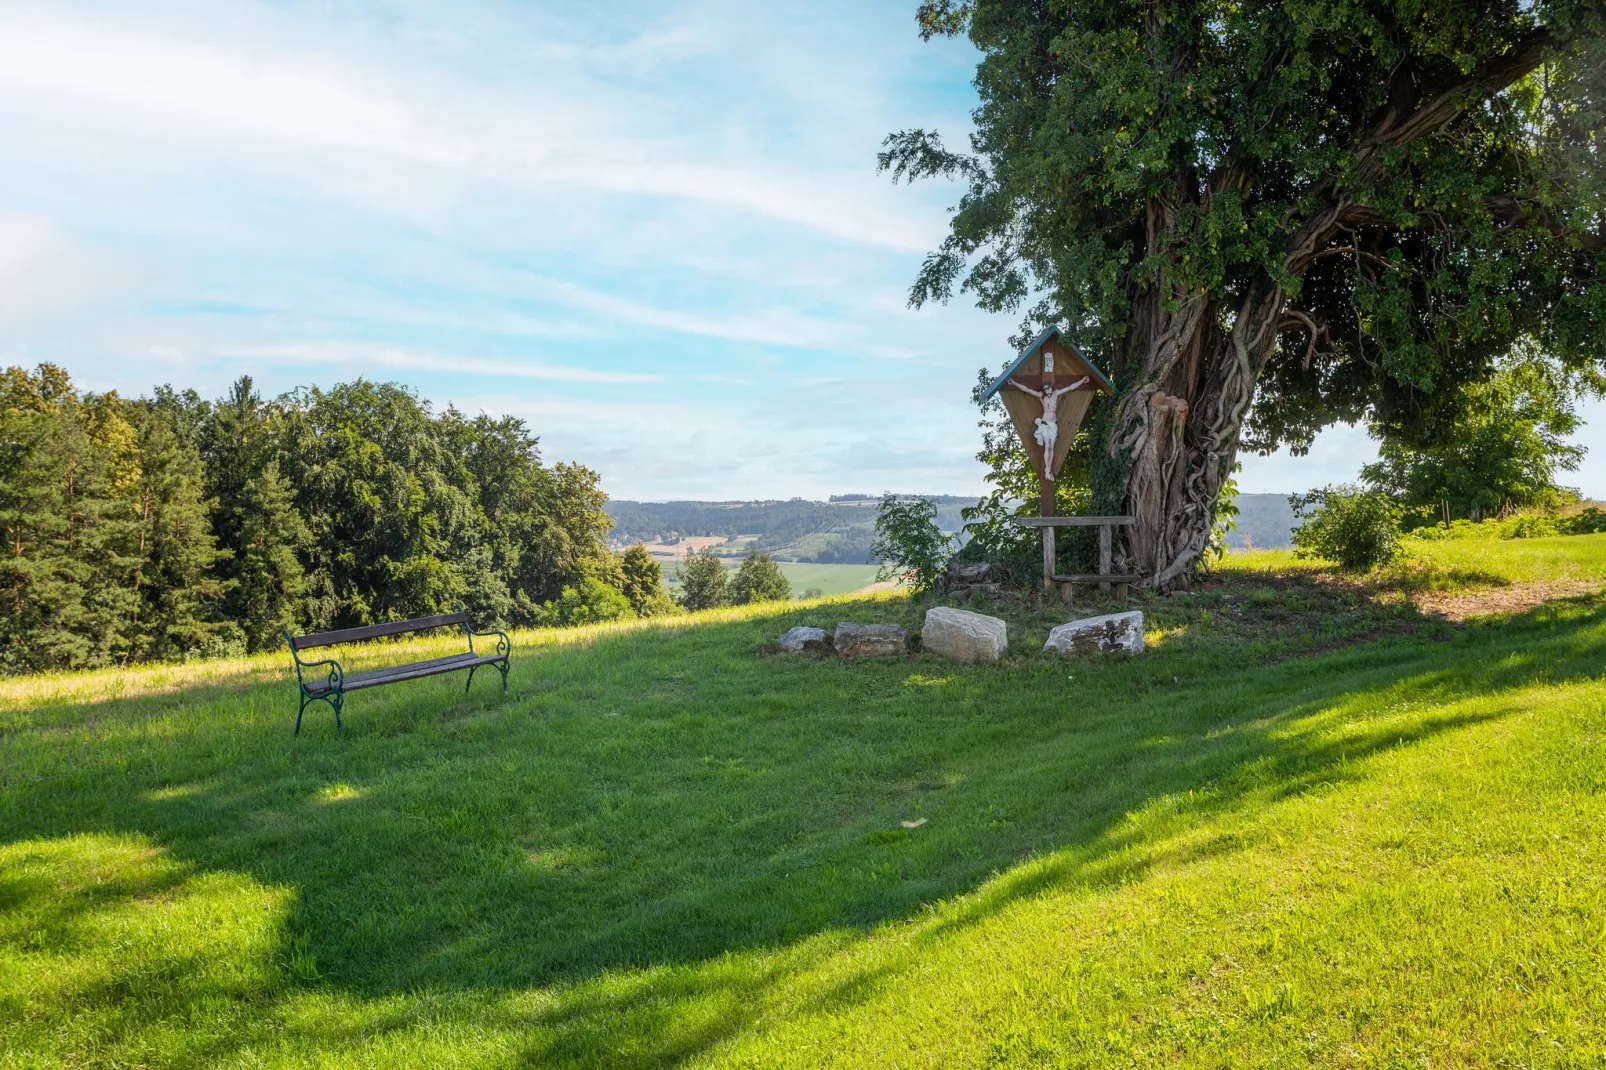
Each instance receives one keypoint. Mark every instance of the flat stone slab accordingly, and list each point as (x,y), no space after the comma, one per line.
(1113,633)
(870,640)
(963,635)
(801,638)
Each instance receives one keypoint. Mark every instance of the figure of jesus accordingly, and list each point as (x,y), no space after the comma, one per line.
(1048,424)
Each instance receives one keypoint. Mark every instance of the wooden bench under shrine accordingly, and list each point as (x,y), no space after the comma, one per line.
(1103,577)
(333,687)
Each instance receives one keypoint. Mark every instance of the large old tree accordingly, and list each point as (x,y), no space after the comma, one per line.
(1326,209)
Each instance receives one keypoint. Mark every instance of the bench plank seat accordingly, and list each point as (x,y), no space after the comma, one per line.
(328,682)
(411,671)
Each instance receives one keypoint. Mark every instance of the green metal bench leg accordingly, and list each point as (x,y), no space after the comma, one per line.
(337,701)
(470,683)
(502,668)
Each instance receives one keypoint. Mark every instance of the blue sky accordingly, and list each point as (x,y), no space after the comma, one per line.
(652,230)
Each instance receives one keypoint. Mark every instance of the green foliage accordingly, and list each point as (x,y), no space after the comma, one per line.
(1225,522)
(1531,526)
(759,579)
(1459,529)
(171,525)
(1348,525)
(911,546)
(269,582)
(591,601)
(1588,521)
(1503,453)
(703,583)
(641,579)
(51,497)
(172,536)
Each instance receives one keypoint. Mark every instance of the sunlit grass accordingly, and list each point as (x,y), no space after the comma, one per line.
(1313,826)
(1449,564)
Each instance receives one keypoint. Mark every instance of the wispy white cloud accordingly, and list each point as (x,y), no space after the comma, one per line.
(204,92)
(777,327)
(367,355)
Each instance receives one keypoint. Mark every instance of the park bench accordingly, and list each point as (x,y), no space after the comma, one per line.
(332,689)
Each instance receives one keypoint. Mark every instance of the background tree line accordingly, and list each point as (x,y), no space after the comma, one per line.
(171,525)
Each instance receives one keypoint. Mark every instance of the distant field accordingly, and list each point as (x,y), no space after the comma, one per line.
(666,552)
(830,579)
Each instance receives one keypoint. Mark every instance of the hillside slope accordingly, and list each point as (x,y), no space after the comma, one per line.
(1317,824)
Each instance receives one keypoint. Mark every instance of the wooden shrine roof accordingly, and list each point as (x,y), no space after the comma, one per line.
(1049,334)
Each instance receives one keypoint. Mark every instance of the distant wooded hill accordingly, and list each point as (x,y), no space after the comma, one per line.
(838,531)
(841,530)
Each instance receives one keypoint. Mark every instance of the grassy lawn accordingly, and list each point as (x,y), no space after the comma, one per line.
(1314,825)
(1455,563)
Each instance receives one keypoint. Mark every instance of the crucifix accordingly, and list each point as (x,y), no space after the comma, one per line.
(1046,404)
(1047,427)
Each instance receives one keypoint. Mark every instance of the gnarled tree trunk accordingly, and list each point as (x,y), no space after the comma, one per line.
(1178,429)
(1189,375)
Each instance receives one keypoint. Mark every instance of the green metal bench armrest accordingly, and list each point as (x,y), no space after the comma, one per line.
(337,675)
(504,645)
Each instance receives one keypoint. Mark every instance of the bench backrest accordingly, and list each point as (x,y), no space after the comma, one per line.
(376,631)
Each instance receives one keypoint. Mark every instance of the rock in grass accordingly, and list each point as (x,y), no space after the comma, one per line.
(963,635)
(802,638)
(1113,633)
(870,640)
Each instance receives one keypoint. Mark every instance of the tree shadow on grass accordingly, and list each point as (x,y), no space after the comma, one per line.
(664,819)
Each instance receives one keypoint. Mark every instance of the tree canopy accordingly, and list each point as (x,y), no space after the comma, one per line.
(171,525)
(759,579)
(1504,451)
(1339,209)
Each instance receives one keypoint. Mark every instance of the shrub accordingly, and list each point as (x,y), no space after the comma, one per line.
(1588,522)
(1530,526)
(1353,527)
(760,579)
(1458,529)
(910,545)
(589,602)
(703,583)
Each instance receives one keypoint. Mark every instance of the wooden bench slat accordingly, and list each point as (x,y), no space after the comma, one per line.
(411,671)
(1097,577)
(384,671)
(1075,521)
(416,673)
(376,631)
